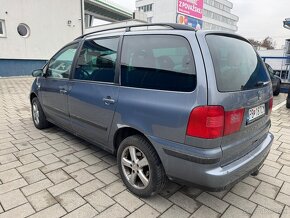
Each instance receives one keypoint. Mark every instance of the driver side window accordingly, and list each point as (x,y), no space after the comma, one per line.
(97,60)
(60,65)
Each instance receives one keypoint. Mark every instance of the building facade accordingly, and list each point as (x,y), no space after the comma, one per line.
(217,16)
(205,14)
(31,31)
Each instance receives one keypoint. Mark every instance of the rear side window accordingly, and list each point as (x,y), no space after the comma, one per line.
(163,62)
(237,66)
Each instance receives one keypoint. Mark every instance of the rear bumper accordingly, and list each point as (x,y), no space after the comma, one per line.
(202,166)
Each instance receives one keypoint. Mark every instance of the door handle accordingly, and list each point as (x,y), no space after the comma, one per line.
(108,100)
(63,91)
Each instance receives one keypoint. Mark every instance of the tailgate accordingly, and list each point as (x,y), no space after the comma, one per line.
(238,80)
(254,127)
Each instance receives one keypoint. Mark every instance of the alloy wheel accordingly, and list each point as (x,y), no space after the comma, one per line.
(135,167)
(35,113)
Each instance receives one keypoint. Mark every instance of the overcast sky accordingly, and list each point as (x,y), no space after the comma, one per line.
(258,18)
(262,18)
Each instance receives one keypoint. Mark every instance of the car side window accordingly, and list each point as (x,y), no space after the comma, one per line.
(162,62)
(60,65)
(97,60)
(270,70)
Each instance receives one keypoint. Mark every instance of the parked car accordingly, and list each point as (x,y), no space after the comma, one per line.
(276,81)
(169,101)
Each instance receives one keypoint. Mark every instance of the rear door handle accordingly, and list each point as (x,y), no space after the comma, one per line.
(108,100)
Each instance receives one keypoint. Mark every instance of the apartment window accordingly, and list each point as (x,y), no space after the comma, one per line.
(227,9)
(216,4)
(146,8)
(210,2)
(2,28)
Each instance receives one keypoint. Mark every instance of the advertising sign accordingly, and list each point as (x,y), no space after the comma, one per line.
(191,8)
(189,21)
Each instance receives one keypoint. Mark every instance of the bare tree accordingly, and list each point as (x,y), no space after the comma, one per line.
(268,43)
(255,43)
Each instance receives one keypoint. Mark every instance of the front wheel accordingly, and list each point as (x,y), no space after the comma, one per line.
(140,167)
(38,116)
(288,103)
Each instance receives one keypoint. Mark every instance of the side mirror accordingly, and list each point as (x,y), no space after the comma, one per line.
(37,73)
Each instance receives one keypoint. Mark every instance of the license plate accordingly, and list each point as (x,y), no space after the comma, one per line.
(256,112)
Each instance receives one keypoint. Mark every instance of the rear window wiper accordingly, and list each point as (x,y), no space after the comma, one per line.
(262,83)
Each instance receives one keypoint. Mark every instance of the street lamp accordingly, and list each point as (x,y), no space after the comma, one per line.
(286,23)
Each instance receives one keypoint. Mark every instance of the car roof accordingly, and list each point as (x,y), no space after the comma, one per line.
(151,26)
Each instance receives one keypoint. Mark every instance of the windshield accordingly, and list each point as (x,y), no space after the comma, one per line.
(237,66)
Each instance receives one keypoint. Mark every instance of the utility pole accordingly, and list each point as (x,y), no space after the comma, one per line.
(286,24)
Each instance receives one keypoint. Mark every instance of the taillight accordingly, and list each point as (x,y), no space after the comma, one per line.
(206,122)
(211,122)
(233,121)
(271,105)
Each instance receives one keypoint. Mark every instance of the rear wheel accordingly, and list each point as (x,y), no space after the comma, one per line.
(277,90)
(140,167)
(38,116)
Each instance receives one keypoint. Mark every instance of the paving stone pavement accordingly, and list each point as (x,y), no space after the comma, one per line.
(52,173)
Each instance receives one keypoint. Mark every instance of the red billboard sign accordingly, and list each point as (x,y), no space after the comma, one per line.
(192,8)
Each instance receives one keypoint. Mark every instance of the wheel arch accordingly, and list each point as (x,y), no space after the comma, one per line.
(32,95)
(125,132)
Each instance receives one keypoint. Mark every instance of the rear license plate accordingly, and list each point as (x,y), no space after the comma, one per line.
(256,112)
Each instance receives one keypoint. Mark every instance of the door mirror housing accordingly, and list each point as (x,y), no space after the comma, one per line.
(37,73)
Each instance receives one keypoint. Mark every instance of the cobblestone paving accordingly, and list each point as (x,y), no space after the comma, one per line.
(54,174)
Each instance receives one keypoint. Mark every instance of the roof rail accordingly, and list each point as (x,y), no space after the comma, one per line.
(99,31)
(174,26)
(128,28)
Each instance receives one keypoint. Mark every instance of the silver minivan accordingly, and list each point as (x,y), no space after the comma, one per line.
(169,101)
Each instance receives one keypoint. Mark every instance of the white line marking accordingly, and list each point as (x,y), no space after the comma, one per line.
(279,105)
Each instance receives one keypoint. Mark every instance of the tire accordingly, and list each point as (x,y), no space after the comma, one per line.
(39,120)
(153,171)
(288,103)
(277,90)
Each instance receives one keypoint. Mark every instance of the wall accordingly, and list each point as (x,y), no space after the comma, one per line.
(211,8)
(20,67)
(163,10)
(48,22)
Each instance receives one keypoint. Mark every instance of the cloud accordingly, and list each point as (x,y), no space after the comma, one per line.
(258,18)
(262,18)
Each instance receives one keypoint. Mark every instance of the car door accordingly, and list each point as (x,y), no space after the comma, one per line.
(54,85)
(274,80)
(93,90)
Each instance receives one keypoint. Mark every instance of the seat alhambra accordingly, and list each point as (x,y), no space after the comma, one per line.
(168,101)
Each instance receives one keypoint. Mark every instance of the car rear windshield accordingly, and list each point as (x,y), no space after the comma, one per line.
(237,66)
